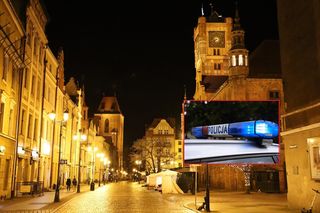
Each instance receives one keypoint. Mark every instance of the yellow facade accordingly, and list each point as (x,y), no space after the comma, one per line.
(11,67)
(111,126)
(161,134)
(30,141)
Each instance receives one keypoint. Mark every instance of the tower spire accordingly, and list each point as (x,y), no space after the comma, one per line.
(236,24)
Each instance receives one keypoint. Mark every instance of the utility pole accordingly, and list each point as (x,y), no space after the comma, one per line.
(207,198)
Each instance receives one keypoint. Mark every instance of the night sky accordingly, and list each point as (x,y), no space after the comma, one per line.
(142,50)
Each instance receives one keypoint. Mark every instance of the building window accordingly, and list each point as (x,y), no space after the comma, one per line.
(159,131)
(216,51)
(30,127)
(245,60)
(1,116)
(38,89)
(179,150)
(6,174)
(23,114)
(233,61)
(5,66)
(240,60)
(106,125)
(274,94)
(11,127)
(179,143)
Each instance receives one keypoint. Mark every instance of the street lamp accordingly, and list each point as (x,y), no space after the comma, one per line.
(52,117)
(82,138)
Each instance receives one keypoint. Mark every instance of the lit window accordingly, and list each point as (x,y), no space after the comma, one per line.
(106,125)
(233,61)
(246,60)
(30,127)
(240,60)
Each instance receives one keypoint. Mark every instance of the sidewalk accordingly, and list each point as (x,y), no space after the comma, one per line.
(235,202)
(44,203)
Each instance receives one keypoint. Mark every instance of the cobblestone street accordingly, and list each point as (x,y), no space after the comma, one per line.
(122,197)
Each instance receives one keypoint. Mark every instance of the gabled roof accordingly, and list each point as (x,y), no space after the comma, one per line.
(109,105)
(156,121)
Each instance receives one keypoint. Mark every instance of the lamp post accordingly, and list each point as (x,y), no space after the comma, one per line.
(81,138)
(52,116)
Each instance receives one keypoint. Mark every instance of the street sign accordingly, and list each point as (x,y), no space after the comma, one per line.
(63,161)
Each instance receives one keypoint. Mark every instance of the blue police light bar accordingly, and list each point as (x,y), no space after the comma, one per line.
(247,129)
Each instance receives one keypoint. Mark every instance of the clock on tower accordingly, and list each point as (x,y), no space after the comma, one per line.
(217,39)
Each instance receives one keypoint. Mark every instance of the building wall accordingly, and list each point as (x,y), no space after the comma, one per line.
(115,131)
(10,72)
(299,30)
(204,54)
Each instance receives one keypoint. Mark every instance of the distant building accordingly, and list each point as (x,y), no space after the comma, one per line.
(299,25)
(161,134)
(111,125)
(223,72)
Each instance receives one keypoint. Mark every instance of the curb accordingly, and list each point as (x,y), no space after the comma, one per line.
(185,205)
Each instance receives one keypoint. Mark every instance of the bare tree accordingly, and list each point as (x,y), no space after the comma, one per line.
(152,151)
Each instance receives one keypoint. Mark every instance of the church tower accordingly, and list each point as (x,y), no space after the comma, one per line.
(238,54)
(111,126)
(212,42)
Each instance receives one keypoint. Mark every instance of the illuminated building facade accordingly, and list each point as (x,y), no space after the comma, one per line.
(225,71)
(299,38)
(110,122)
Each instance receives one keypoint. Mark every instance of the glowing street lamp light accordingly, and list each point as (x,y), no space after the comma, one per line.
(52,117)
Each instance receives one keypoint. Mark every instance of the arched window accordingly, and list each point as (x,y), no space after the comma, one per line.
(233,61)
(106,125)
(246,60)
(240,60)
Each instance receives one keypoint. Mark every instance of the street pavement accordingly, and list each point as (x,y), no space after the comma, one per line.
(132,197)
(41,204)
